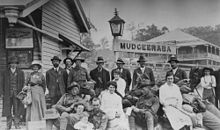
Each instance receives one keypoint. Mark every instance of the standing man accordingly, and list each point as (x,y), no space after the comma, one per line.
(13,82)
(68,64)
(56,79)
(125,73)
(100,75)
(143,75)
(178,73)
(80,75)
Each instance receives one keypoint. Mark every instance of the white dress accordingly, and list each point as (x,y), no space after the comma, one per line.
(170,96)
(112,104)
(121,85)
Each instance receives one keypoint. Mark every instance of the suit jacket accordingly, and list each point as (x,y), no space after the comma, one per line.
(217,88)
(126,75)
(6,91)
(56,82)
(148,72)
(101,82)
(179,75)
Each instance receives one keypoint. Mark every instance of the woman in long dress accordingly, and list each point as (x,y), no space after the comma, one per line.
(171,99)
(36,80)
(111,104)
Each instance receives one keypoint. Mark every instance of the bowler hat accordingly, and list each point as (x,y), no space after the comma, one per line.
(100,60)
(141,59)
(68,58)
(13,60)
(78,58)
(36,62)
(55,58)
(173,58)
(120,61)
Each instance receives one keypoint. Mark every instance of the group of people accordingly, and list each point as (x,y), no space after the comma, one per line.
(98,100)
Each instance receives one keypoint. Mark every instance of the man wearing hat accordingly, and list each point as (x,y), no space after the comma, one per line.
(179,74)
(100,75)
(56,79)
(68,64)
(143,75)
(79,75)
(13,82)
(125,73)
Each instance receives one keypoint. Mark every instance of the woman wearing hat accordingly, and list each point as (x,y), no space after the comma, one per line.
(208,83)
(35,81)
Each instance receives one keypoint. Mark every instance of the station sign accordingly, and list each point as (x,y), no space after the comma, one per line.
(144,47)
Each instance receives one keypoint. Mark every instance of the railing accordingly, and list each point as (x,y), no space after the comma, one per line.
(198,56)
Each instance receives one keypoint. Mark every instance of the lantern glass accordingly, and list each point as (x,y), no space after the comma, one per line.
(115,28)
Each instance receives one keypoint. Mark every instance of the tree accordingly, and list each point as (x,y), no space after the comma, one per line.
(87,42)
(104,43)
(207,33)
(149,32)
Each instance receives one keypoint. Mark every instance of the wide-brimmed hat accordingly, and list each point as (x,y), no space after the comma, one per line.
(141,59)
(13,60)
(173,58)
(120,61)
(36,62)
(100,59)
(68,58)
(79,58)
(72,85)
(55,58)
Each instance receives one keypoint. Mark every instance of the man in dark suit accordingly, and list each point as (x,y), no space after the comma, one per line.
(100,75)
(143,75)
(68,64)
(125,73)
(56,79)
(13,82)
(179,74)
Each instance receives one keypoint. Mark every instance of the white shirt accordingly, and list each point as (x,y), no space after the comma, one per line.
(121,85)
(174,70)
(13,70)
(142,69)
(208,81)
(170,95)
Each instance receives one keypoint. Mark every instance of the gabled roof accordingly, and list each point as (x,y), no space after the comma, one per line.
(180,38)
(28,6)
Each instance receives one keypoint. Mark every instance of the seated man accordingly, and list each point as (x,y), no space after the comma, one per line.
(145,110)
(65,106)
(97,117)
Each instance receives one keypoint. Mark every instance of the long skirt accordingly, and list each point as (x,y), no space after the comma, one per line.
(177,118)
(36,110)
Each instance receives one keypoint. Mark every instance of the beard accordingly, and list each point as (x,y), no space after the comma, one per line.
(55,65)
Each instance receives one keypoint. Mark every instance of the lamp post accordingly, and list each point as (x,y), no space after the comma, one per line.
(117,27)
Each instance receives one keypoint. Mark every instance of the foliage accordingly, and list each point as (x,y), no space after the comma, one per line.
(144,33)
(104,43)
(207,33)
(87,42)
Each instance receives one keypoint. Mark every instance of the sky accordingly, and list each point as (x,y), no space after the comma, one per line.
(170,13)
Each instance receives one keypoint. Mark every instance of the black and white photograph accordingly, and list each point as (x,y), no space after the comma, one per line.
(109,64)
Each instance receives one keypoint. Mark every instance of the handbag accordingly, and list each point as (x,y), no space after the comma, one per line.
(28,98)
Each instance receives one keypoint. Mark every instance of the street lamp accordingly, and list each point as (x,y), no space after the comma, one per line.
(116,25)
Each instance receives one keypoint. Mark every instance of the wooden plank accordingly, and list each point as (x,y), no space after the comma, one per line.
(60,21)
(60,28)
